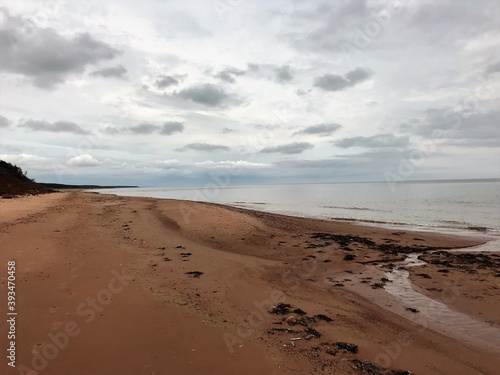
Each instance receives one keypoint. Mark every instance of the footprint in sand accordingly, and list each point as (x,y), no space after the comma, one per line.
(53,309)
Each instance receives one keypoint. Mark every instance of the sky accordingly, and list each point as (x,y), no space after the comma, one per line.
(228,92)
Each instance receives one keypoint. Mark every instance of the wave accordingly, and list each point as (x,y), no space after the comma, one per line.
(356,208)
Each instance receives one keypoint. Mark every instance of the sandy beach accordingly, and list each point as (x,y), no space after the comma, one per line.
(118,285)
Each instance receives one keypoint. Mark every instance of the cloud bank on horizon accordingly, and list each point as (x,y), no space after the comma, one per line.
(175,93)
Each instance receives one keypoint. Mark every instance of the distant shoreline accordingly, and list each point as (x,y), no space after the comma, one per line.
(64,186)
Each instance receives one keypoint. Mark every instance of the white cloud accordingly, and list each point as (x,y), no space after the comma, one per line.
(83,161)
(25,159)
(232,164)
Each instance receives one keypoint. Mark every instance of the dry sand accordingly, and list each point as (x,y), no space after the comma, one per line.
(107,278)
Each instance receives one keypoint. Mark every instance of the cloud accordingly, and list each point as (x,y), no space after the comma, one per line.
(344,29)
(279,74)
(44,56)
(144,129)
(168,128)
(56,127)
(4,122)
(458,127)
(227,130)
(112,130)
(206,94)
(229,74)
(232,164)
(171,163)
(83,161)
(283,74)
(202,147)
(25,159)
(289,148)
(376,141)
(115,72)
(493,68)
(9,148)
(334,82)
(372,103)
(166,81)
(171,127)
(321,129)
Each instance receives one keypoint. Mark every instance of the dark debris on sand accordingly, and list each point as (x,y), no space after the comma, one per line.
(466,262)
(373,369)
(389,248)
(280,309)
(195,274)
(340,347)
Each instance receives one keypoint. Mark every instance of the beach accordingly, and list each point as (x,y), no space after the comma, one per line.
(131,285)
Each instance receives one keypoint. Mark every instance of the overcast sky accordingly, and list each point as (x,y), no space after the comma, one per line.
(237,91)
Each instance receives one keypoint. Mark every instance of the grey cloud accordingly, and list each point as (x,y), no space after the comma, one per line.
(457,127)
(227,130)
(203,147)
(321,129)
(4,122)
(279,74)
(166,81)
(171,127)
(334,82)
(289,148)
(168,128)
(206,94)
(376,141)
(229,74)
(56,127)
(443,20)
(253,67)
(112,130)
(344,28)
(493,68)
(283,74)
(327,26)
(43,55)
(358,75)
(116,71)
(144,129)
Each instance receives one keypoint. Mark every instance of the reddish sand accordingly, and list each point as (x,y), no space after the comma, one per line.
(106,279)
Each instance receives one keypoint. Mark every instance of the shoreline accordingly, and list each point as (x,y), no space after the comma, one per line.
(202,278)
(486,234)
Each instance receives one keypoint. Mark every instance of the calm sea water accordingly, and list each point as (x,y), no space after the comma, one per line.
(447,204)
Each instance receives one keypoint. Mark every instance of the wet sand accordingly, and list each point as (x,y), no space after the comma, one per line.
(110,284)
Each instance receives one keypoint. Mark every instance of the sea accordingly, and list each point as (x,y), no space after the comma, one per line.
(471,205)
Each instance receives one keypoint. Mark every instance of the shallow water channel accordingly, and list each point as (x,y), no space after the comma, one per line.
(437,315)
(401,297)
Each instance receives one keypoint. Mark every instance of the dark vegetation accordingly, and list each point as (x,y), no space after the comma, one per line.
(14,181)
